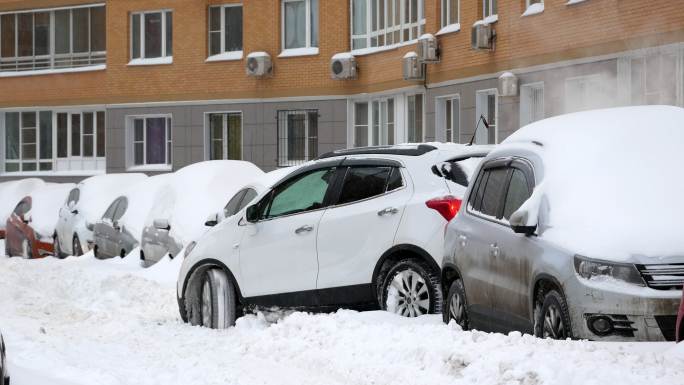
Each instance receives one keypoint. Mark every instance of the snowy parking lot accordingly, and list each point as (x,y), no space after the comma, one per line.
(85,321)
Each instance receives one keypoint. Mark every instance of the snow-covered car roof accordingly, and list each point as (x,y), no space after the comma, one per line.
(611,179)
(141,197)
(14,191)
(45,204)
(98,192)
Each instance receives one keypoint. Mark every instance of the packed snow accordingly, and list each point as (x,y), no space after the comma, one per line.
(82,321)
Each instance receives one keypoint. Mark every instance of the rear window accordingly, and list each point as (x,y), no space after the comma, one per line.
(462,171)
(493,191)
(518,193)
(365,182)
(74,196)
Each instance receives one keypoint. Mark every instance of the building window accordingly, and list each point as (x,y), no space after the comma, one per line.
(297,136)
(450,12)
(224,136)
(150,139)
(300,24)
(653,79)
(225,29)
(489,8)
(381,115)
(531,103)
(449,117)
(53,39)
(414,118)
(378,23)
(584,93)
(151,35)
(486,106)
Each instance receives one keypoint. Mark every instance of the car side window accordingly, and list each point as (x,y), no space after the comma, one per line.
(493,190)
(21,208)
(518,193)
(109,213)
(475,199)
(395,180)
(121,208)
(249,196)
(73,197)
(303,193)
(364,182)
(233,205)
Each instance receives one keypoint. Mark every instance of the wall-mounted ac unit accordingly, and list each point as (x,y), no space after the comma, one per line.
(259,64)
(413,67)
(508,84)
(428,49)
(343,66)
(482,36)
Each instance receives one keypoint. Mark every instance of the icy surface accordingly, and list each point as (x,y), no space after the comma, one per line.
(81,321)
(45,204)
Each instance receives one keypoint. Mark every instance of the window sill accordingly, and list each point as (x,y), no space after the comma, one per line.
(12,74)
(487,20)
(151,62)
(533,9)
(294,52)
(573,2)
(372,50)
(226,56)
(53,173)
(150,167)
(451,28)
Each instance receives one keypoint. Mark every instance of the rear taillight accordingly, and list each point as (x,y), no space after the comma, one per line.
(447,206)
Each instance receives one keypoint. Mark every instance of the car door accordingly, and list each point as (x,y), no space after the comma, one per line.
(361,225)
(67,219)
(278,251)
(104,230)
(119,236)
(477,241)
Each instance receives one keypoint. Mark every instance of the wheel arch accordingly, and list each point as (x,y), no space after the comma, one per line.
(192,277)
(450,273)
(402,251)
(545,282)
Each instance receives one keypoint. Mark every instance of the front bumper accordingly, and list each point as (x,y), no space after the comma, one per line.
(636,313)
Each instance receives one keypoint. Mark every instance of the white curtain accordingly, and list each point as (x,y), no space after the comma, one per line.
(295,24)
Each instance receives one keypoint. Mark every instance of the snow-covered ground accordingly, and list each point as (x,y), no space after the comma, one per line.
(84,321)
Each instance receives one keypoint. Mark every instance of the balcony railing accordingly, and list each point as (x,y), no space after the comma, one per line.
(48,62)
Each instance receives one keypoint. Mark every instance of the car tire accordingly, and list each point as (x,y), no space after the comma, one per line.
(218,301)
(76,247)
(122,255)
(96,254)
(57,247)
(411,289)
(456,305)
(553,321)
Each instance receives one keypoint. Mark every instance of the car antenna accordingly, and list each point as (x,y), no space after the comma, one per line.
(483,120)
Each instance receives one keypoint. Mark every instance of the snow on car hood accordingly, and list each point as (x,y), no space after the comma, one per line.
(14,191)
(45,204)
(612,180)
(98,192)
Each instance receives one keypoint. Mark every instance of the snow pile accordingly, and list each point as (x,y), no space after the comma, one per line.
(141,197)
(45,204)
(98,192)
(612,180)
(12,192)
(81,321)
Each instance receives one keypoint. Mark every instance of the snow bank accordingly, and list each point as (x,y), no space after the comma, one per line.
(45,204)
(98,192)
(141,198)
(612,180)
(14,191)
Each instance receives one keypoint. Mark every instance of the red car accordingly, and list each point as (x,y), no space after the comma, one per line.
(680,321)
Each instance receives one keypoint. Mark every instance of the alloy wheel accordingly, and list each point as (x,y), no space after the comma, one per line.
(206,304)
(553,323)
(411,297)
(456,309)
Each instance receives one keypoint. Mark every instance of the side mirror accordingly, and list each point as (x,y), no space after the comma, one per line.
(161,224)
(522,223)
(26,217)
(116,226)
(212,220)
(252,214)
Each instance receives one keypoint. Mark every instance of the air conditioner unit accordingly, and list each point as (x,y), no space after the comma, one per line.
(343,66)
(428,49)
(482,36)
(259,64)
(508,84)
(413,68)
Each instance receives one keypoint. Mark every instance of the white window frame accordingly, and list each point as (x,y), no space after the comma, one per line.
(225,55)
(307,49)
(489,3)
(165,58)
(399,25)
(525,105)
(481,95)
(369,103)
(224,133)
(130,143)
(406,115)
(530,2)
(441,118)
(446,12)
(284,156)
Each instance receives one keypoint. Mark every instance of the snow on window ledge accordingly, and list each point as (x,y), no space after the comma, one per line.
(151,62)
(12,74)
(372,50)
(534,9)
(226,56)
(449,29)
(293,52)
(150,167)
(571,2)
(487,20)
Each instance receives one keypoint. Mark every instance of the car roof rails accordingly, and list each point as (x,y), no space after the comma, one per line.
(405,150)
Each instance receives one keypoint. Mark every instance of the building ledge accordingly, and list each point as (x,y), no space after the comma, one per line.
(451,28)
(572,2)
(226,56)
(52,71)
(151,62)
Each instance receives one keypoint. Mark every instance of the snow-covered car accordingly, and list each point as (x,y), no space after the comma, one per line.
(356,228)
(572,229)
(83,207)
(680,320)
(11,193)
(196,191)
(4,375)
(30,227)
(120,228)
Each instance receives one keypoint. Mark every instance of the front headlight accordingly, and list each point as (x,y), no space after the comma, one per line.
(188,249)
(590,268)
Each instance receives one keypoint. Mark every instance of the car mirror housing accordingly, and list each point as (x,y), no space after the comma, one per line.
(115,225)
(26,218)
(161,224)
(252,214)
(522,223)
(212,220)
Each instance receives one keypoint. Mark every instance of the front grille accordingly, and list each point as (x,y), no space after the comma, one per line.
(663,277)
(667,324)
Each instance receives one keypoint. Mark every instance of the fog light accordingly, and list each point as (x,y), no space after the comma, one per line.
(600,325)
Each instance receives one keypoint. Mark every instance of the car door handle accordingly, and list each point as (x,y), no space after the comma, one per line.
(494,250)
(462,240)
(304,229)
(388,211)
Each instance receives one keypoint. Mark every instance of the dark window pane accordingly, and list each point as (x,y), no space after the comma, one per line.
(42,33)
(25,166)
(303,194)
(73,197)
(135,36)
(313,135)
(7,32)
(363,182)
(28,119)
(475,200)
(11,167)
(493,192)
(234,29)
(76,135)
(214,43)
(109,213)
(296,136)
(25,34)
(101,136)
(138,154)
(12,135)
(214,18)
(45,135)
(62,135)
(248,198)
(216,136)
(62,31)
(98,28)
(518,193)
(314,23)
(81,29)
(395,180)
(121,208)
(139,130)
(88,123)
(169,34)
(234,136)
(233,205)
(155,141)
(153,35)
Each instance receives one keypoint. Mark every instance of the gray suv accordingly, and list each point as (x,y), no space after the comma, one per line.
(562,235)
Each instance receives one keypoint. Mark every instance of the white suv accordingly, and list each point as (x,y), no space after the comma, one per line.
(356,228)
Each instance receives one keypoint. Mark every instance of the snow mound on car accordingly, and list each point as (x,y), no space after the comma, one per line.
(613,180)
(98,192)
(141,198)
(45,204)
(14,191)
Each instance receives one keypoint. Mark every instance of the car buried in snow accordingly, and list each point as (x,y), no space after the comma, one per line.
(572,229)
(359,228)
